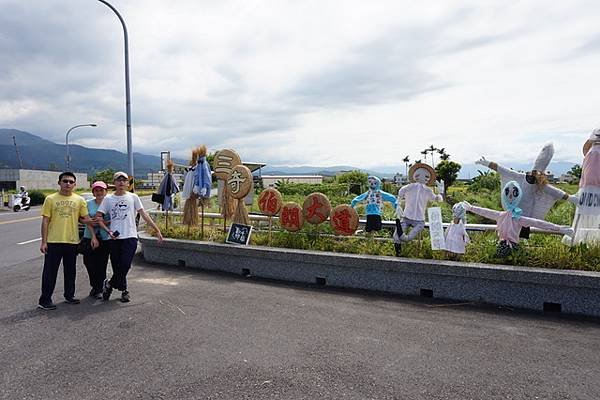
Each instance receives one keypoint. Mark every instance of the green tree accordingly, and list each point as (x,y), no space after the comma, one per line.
(448,171)
(355,180)
(575,171)
(105,175)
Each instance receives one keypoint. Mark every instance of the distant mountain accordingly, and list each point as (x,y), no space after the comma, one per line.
(467,171)
(38,153)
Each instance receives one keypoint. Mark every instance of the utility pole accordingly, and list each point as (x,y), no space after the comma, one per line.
(18,155)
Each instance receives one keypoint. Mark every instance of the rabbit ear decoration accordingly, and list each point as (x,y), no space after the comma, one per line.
(543,159)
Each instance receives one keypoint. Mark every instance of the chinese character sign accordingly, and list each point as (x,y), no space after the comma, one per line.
(316,208)
(239,181)
(344,220)
(436,228)
(224,162)
(291,217)
(270,201)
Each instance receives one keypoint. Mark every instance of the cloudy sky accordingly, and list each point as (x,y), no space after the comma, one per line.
(361,83)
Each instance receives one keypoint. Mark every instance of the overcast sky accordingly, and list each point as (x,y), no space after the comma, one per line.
(300,82)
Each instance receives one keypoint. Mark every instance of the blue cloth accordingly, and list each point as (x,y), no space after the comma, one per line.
(374,197)
(512,187)
(100,233)
(168,187)
(202,178)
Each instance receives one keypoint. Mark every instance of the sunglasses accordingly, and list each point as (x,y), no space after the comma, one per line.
(68,182)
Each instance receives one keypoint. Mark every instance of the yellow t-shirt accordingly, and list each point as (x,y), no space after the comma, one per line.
(64,213)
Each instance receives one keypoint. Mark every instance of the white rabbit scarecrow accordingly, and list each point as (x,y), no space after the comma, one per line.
(537,196)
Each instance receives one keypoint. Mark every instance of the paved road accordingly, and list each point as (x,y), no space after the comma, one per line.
(19,236)
(195,335)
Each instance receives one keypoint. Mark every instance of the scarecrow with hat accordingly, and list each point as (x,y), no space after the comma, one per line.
(586,222)
(416,195)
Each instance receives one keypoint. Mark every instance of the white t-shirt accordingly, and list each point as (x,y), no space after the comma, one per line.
(122,211)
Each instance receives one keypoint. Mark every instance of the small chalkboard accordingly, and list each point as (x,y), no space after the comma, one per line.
(239,234)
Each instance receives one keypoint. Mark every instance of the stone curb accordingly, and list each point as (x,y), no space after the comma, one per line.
(570,292)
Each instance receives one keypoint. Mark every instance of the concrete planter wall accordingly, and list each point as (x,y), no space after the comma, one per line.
(571,292)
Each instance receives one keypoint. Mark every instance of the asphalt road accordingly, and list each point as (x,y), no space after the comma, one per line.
(196,335)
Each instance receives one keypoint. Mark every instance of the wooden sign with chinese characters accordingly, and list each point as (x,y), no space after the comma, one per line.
(291,217)
(270,201)
(344,220)
(436,229)
(316,208)
(239,181)
(224,162)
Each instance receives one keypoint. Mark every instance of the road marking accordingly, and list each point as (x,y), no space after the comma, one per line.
(30,241)
(20,220)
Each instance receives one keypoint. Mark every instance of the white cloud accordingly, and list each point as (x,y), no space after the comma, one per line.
(311,82)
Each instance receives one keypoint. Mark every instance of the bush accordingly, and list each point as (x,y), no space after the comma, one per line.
(488,180)
(37,197)
(328,189)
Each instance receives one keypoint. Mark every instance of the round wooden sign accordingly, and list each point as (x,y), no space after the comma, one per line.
(270,201)
(239,181)
(344,220)
(316,208)
(224,162)
(291,217)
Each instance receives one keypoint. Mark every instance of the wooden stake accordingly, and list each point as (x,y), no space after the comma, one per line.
(270,225)
(202,220)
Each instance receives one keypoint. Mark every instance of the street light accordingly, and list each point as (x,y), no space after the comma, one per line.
(127,94)
(67,141)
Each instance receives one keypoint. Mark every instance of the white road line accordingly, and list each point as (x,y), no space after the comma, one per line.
(31,241)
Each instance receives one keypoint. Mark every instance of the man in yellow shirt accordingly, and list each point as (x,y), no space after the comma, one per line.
(61,213)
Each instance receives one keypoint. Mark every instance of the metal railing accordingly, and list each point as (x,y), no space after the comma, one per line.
(211,216)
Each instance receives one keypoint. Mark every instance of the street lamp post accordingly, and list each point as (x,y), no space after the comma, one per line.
(127,93)
(67,142)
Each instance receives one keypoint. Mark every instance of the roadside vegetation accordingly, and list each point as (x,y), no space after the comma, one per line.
(541,250)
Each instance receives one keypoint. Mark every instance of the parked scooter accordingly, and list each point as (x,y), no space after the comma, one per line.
(21,202)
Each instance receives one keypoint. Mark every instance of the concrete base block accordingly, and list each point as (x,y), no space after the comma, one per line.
(570,292)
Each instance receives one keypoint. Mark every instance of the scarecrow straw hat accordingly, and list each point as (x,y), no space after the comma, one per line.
(416,166)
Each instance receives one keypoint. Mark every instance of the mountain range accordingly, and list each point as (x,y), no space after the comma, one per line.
(38,153)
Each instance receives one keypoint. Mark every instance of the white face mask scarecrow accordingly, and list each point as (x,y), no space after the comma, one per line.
(537,196)
(510,222)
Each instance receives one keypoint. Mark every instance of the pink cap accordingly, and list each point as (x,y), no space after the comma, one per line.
(99,184)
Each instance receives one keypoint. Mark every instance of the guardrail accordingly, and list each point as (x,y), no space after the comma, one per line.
(211,216)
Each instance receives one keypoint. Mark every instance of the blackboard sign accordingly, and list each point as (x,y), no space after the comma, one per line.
(239,234)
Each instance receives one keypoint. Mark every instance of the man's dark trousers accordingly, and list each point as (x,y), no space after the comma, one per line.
(56,252)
